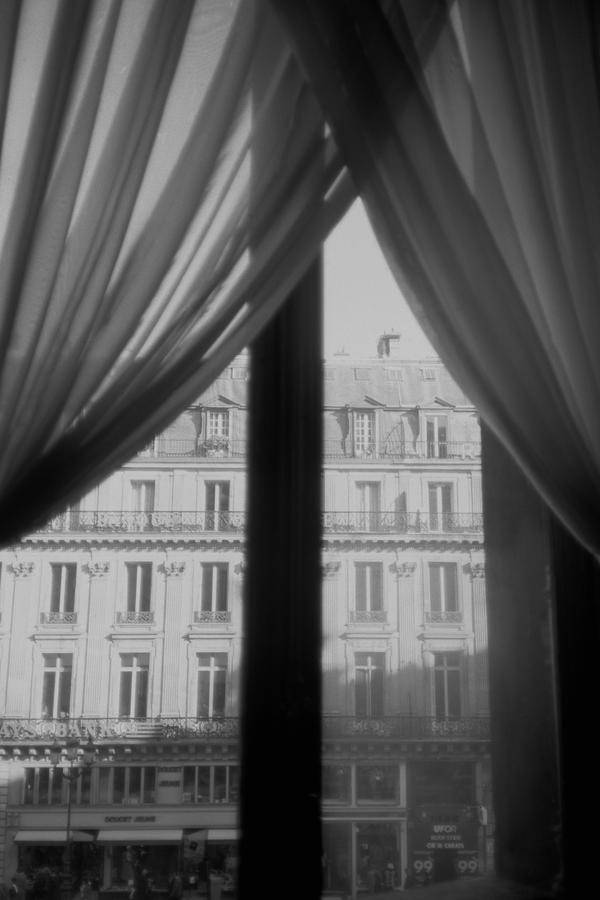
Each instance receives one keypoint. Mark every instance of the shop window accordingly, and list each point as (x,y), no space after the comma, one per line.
(375,782)
(212,677)
(210,784)
(440,783)
(369,593)
(369,669)
(335,784)
(364,433)
(437,436)
(217,505)
(447,685)
(215,577)
(443,593)
(62,595)
(56,685)
(133,688)
(29,786)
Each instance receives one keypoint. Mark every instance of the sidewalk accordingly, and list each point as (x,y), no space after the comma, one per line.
(482,887)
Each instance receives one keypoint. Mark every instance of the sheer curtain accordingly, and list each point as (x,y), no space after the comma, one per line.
(147,145)
(472,131)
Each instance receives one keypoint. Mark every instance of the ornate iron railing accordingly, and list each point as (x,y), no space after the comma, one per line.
(391,521)
(393,450)
(409,727)
(58,618)
(16,730)
(360,616)
(208,448)
(127,522)
(170,728)
(443,616)
(135,617)
(212,615)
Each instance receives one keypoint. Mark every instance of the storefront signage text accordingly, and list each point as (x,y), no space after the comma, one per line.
(120,820)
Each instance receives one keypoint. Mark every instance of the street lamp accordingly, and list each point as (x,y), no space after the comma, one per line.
(73,759)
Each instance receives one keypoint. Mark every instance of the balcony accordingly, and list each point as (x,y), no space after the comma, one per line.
(135,617)
(211,448)
(58,618)
(368,616)
(126,522)
(20,731)
(402,451)
(407,728)
(212,616)
(391,522)
(443,617)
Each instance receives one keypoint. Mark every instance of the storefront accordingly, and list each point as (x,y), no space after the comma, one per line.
(362,857)
(443,843)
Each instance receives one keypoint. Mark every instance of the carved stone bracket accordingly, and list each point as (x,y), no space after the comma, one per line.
(329,569)
(476,570)
(22,569)
(403,570)
(240,568)
(173,569)
(97,569)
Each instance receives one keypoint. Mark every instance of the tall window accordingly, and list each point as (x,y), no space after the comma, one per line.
(443,592)
(212,679)
(62,597)
(217,424)
(440,506)
(447,684)
(133,693)
(214,592)
(56,685)
(217,505)
(368,493)
(369,592)
(437,436)
(139,587)
(142,501)
(369,669)
(364,433)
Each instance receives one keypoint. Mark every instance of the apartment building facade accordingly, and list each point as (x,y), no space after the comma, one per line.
(121,640)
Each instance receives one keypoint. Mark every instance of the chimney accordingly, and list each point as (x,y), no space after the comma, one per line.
(388,345)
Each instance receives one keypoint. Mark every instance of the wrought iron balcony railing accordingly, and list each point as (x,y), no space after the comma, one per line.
(135,617)
(58,618)
(16,730)
(401,451)
(443,617)
(213,616)
(208,448)
(126,522)
(366,616)
(390,521)
(407,727)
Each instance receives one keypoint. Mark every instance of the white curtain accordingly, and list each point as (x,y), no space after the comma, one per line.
(164,181)
(472,131)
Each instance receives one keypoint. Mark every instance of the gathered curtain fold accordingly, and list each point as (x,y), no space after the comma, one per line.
(165,179)
(472,131)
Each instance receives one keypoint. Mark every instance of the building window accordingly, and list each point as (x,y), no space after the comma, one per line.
(364,433)
(133,688)
(440,507)
(447,685)
(210,784)
(369,505)
(212,678)
(217,505)
(443,593)
(139,594)
(56,685)
(62,597)
(335,784)
(369,669)
(215,578)
(369,593)
(377,783)
(437,436)
(142,502)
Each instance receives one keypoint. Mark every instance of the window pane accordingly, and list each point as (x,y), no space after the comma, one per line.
(376,782)
(149,784)
(336,783)
(104,785)
(203,795)
(220,784)
(125,694)
(118,784)
(141,695)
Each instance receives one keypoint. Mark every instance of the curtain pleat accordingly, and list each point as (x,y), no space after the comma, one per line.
(133,185)
(472,132)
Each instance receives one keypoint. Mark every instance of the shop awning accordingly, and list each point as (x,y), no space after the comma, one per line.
(222,834)
(54,836)
(141,836)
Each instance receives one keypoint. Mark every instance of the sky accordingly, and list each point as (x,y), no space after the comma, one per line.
(362,299)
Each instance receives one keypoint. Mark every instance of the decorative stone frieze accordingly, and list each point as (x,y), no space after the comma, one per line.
(97,569)
(22,569)
(173,569)
(403,570)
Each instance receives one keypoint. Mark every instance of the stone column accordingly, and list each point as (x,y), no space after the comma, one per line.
(168,702)
(94,664)
(477,573)
(17,697)
(332,660)
(409,661)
